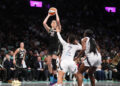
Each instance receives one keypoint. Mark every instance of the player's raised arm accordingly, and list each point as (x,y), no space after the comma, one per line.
(58,20)
(79,47)
(98,48)
(14,55)
(83,42)
(59,37)
(45,23)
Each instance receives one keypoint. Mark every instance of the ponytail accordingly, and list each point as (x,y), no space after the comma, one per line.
(93,46)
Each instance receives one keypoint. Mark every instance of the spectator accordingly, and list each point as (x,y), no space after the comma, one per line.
(11,54)
(100,74)
(3,74)
(107,70)
(30,66)
(40,69)
(8,64)
(116,72)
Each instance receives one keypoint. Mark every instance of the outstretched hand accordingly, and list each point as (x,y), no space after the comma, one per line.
(56,11)
(49,15)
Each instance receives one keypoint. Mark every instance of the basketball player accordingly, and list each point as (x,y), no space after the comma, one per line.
(67,59)
(19,60)
(93,57)
(20,52)
(53,45)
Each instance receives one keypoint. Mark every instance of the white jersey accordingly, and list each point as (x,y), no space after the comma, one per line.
(94,59)
(87,53)
(69,50)
(87,46)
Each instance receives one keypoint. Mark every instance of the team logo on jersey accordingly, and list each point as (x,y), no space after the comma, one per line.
(22,54)
(52,33)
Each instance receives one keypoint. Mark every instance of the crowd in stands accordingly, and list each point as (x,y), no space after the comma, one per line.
(16,28)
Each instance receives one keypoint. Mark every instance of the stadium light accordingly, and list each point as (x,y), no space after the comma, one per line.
(110,9)
(36,4)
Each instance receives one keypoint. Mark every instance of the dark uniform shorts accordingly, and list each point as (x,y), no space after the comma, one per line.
(53,50)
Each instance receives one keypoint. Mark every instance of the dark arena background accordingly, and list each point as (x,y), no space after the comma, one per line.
(22,21)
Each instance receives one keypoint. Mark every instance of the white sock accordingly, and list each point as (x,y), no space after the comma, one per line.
(82,84)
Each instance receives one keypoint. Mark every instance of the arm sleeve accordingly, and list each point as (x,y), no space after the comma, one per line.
(61,39)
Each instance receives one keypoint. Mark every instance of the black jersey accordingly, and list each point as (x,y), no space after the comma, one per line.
(20,57)
(21,53)
(53,41)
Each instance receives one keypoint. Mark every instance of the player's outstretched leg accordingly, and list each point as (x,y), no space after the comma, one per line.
(79,75)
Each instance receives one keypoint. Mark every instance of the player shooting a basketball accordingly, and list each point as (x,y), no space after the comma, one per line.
(53,43)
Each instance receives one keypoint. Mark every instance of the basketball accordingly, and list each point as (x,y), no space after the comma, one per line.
(52,11)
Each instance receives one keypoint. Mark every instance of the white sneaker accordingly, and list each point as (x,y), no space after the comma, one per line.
(57,84)
(16,83)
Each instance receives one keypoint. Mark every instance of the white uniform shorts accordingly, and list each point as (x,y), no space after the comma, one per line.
(93,60)
(68,66)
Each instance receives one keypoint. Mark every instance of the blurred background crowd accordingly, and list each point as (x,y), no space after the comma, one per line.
(21,23)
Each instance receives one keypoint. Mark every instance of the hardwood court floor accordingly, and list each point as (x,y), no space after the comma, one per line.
(101,83)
